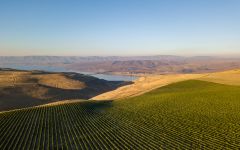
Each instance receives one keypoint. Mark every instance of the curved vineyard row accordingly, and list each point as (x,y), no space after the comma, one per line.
(185,115)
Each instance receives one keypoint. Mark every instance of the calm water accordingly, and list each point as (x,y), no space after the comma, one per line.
(112,77)
(61,69)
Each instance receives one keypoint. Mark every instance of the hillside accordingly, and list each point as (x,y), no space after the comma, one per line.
(20,89)
(145,84)
(231,77)
(150,82)
(186,115)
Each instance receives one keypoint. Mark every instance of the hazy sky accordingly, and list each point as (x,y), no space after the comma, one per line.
(119,27)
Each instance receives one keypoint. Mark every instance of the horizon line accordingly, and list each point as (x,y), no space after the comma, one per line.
(219,55)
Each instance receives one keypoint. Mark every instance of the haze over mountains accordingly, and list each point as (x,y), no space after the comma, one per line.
(159,64)
(77,59)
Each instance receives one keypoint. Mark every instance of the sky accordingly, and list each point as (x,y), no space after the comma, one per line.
(119,27)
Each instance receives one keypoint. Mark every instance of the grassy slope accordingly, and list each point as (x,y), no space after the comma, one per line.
(187,115)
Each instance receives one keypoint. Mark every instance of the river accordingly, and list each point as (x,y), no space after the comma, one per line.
(107,77)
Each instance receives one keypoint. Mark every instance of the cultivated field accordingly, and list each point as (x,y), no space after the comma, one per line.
(186,115)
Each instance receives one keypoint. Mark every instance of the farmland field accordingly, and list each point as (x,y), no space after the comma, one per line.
(186,115)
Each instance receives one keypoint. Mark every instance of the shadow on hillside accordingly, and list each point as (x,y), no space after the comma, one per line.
(92,89)
(23,96)
(94,86)
(96,107)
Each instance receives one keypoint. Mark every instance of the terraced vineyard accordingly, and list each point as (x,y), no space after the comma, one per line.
(185,115)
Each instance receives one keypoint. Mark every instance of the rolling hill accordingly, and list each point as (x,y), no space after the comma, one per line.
(190,114)
(150,82)
(20,89)
(230,77)
(144,84)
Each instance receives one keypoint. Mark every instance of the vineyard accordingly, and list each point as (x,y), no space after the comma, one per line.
(186,115)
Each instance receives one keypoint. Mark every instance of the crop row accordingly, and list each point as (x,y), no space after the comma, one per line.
(167,118)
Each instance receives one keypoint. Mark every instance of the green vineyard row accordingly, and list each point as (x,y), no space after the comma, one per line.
(185,115)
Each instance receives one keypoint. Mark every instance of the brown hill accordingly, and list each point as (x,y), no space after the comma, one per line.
(20,89)
(230,77)
(150,82)
(145,84)
(198,65)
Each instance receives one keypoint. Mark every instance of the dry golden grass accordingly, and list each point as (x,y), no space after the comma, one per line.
(60,81)
(12,78)
(23,88)
(150,82)
(145,84)
(56,80)
(231,77)
(20,89)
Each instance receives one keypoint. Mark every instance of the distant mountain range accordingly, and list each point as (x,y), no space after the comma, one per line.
(159,64)
(76,59)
